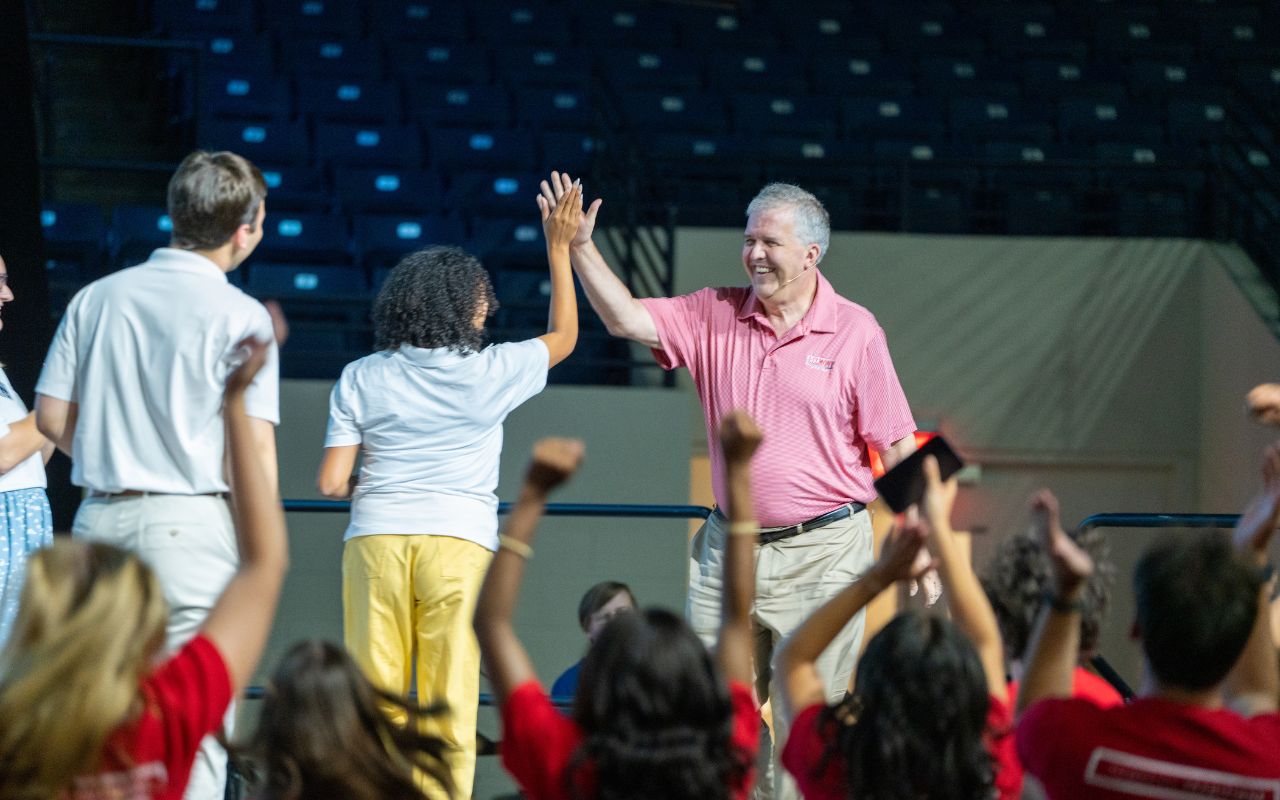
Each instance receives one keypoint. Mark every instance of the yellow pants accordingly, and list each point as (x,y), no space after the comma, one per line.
(401,593)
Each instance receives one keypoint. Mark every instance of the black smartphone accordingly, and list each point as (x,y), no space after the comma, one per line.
(904,484)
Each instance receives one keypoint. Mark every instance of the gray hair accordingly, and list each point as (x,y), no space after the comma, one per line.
(813,223)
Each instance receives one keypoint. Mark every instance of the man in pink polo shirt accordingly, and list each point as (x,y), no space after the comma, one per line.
(813,368)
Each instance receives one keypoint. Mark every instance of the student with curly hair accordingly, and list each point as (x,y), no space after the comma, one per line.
(90,708)
(930,714)
(656,715)
(1016,581)
(322,732)
(425,412)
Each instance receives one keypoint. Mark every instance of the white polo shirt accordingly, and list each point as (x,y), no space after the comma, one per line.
(429,426)
(145,352)
(30,473)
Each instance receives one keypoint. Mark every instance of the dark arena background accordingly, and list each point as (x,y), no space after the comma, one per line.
(1065,214)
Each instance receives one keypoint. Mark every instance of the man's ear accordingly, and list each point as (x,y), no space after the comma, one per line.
(812,255)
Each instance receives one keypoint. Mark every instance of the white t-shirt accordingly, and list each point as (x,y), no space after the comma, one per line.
(429,426)
(145,352)
(30,473)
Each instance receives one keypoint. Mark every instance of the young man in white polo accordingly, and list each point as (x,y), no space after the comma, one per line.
(132,391)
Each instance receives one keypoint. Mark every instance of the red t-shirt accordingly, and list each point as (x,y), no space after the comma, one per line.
(1149,748)
(184,700)
(1085,686)
(538,742)
(802,755)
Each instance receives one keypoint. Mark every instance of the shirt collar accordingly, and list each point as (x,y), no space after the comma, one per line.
(430,356)
(184,261)
(820,318)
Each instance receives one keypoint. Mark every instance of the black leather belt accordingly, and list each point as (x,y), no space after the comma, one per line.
(771,535)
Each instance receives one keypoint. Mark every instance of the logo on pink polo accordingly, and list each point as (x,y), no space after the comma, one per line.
(818,362)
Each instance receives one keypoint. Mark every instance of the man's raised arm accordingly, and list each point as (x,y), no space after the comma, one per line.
(623,315)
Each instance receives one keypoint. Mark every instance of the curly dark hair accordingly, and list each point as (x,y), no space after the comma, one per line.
(1017,577)
(915,727)
(656,715)
(324,732)
(432,299)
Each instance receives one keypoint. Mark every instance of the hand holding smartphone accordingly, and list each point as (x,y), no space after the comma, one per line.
(904,484)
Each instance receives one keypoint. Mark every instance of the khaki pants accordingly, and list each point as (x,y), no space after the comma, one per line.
(794,577)
(190,544)
(407,595)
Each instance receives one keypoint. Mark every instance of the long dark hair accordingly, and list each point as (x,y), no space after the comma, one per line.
(656,715)
(914,728)
(324,732)
(432,299)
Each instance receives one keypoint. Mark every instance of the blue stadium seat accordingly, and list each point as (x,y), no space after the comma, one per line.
(246,95)
(349,145)
(260,142)
(756,71)
(543,65)
(497,194)
(1020,34)
(546,109)
(1165,80)
(768,114)
(715,30)
(74,234)
(901,116)
(829,30)
(606,28)
(1090,121)
(441,63)
(348,100)
(838,74)
(518,23)
(1235,36)
(569,151)
(135,231)
(1262,80)
(508,240)
(981,119)
(950,76)
(675,111)
(666,70)
(295,188)
(355,60)
(699,156)
(435,105)
(326,17)
(931,32)
(1153,213)
(1046,78)
(1127,35)
(403,191)
(935,209)
(386,238)
(245,53)
(420,20)
(457,150)
(304,236)
(1035,166)
(203,16)
(306,282)
(1194,122)
(1041,212)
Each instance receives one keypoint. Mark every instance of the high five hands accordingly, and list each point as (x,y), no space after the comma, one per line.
(553,194)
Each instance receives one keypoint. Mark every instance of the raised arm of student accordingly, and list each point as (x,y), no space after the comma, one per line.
(1055,643)
(241,619)
(506,661)
(797,663)
(739,438)
(1254,682)
(623,315)
(560,222)
(969,605)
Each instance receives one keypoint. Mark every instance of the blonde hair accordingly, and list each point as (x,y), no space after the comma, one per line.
(90,621)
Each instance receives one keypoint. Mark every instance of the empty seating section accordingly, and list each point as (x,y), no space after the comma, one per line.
(385,125)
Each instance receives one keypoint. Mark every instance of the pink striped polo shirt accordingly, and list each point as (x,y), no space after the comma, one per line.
(822,393)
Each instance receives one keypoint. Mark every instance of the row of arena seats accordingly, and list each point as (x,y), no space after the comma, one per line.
(1216,30)
(467,131)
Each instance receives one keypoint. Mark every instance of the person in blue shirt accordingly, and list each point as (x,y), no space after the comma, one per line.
(600,604)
